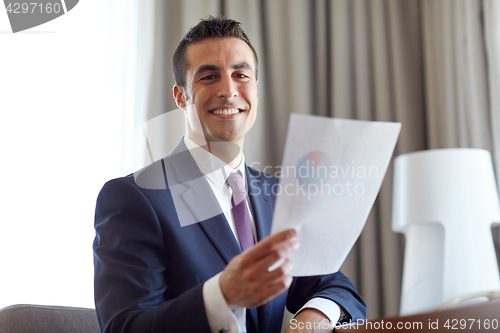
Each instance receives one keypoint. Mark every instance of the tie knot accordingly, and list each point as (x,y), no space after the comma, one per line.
(235,182)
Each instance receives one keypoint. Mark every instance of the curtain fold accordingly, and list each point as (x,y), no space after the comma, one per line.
(457,108)
(491,15)
(424,63)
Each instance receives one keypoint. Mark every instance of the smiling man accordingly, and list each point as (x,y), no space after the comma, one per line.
(191,250)
(218,91)
(222,85)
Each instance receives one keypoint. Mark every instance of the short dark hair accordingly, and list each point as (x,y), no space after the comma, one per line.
(211,27)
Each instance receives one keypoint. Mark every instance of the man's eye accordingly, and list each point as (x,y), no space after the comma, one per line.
(208,77)
(240,76)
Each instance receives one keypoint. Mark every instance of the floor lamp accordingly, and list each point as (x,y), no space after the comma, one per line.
(445,201)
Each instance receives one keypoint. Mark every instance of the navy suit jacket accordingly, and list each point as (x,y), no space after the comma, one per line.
(150,270)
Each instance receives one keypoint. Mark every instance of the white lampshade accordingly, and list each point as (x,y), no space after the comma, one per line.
(445,202)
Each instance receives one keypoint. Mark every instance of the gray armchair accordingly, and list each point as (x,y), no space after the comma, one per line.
(24,318)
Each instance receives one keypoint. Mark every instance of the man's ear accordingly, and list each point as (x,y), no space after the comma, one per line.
(180,96)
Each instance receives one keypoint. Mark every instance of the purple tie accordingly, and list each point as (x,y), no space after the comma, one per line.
(240,212)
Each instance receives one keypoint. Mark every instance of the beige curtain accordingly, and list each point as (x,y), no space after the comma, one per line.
(419,62)
(491,15)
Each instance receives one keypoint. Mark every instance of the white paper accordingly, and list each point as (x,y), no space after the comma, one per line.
(331,174)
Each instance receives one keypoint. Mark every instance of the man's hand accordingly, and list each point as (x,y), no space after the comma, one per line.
(309,321)
(247,282)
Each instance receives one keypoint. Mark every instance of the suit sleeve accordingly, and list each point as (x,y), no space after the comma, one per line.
(335,287)
(129,264)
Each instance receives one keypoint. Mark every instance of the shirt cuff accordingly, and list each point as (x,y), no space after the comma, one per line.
(329,308)
(220,316)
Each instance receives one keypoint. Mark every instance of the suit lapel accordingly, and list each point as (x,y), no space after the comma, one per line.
(201,201)
(221,235)
(261,204)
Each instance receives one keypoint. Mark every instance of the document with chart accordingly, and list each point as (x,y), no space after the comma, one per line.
(331,174)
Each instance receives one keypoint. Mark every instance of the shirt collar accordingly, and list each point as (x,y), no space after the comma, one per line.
(214,169)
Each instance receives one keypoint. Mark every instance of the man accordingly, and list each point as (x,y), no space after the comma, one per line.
(174,247)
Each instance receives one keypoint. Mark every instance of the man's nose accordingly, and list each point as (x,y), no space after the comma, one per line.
(227,88)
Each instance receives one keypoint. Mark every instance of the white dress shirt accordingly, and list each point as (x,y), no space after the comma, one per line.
(218,312)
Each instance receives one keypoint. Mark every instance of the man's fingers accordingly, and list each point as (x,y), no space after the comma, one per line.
(269,244)
(270,284)
(247,280)
(279,272)
(274,259)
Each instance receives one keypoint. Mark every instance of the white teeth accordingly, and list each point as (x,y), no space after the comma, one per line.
(226,111)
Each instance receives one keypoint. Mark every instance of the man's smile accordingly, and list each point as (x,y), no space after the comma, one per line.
(224,113)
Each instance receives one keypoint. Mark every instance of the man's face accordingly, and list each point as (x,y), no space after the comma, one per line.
(220,97)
